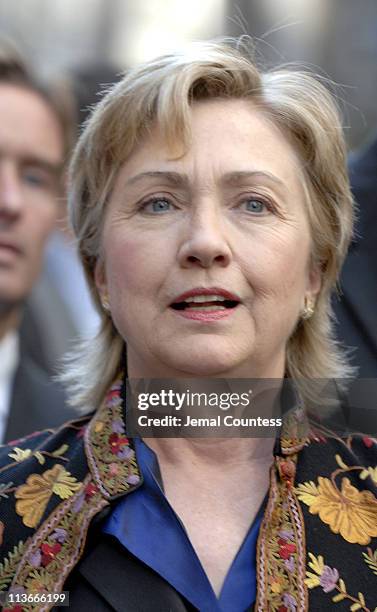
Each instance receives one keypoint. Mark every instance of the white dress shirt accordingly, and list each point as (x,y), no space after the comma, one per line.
(9,358)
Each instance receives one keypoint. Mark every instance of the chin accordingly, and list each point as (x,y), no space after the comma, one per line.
(206,364)
(12,297)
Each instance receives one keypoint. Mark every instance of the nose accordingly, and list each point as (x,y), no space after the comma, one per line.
(205,241)
(10,191)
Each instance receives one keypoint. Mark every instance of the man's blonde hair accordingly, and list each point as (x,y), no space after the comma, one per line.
(162,92)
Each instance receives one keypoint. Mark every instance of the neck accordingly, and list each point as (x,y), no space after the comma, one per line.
(211,453)
(10,317)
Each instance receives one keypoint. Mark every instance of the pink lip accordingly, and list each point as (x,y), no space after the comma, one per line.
(205,315)
(206,291)
(9,255)
(10,247)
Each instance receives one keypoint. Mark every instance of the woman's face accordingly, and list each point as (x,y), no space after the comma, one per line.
(228,216)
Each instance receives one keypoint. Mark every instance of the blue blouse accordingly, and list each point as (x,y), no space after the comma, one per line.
(146,524)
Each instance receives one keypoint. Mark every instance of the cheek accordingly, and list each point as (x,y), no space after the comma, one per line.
(134,267)
(278,264)
(39,227)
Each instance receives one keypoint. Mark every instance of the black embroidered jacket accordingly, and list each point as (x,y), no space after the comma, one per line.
(317,546)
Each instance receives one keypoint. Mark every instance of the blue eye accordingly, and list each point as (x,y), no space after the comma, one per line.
(35,178)
(158,205)
(255,206)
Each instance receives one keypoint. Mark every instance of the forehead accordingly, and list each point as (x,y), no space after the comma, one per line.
(28,126)
(226,135)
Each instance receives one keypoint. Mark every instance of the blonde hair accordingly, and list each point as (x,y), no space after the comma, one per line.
(162,91)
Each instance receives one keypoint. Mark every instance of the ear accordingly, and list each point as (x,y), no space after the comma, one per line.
(100,279)
(314,280)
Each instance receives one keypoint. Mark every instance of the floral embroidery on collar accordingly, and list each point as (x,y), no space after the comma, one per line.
(295,431)
(110,455)
(281,545)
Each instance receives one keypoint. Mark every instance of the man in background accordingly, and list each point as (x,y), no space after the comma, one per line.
(60,310)
(356,309)
(34,141)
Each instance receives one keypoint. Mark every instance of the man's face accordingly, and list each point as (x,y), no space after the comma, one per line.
(31,154)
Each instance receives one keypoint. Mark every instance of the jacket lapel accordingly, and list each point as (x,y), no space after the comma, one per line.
(125,583)
(110,457)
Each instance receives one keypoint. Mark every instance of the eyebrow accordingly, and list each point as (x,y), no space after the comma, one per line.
(233,178)
(174,178)
(229,179)
(54,169)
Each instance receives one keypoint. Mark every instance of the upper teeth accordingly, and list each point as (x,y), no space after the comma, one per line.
(205,298)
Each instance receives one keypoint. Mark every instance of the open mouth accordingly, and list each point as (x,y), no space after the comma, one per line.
(205,306)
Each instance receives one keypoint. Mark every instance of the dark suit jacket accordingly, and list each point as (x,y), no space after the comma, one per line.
(356,310)
(97,584)
(36,402)
(47,331)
